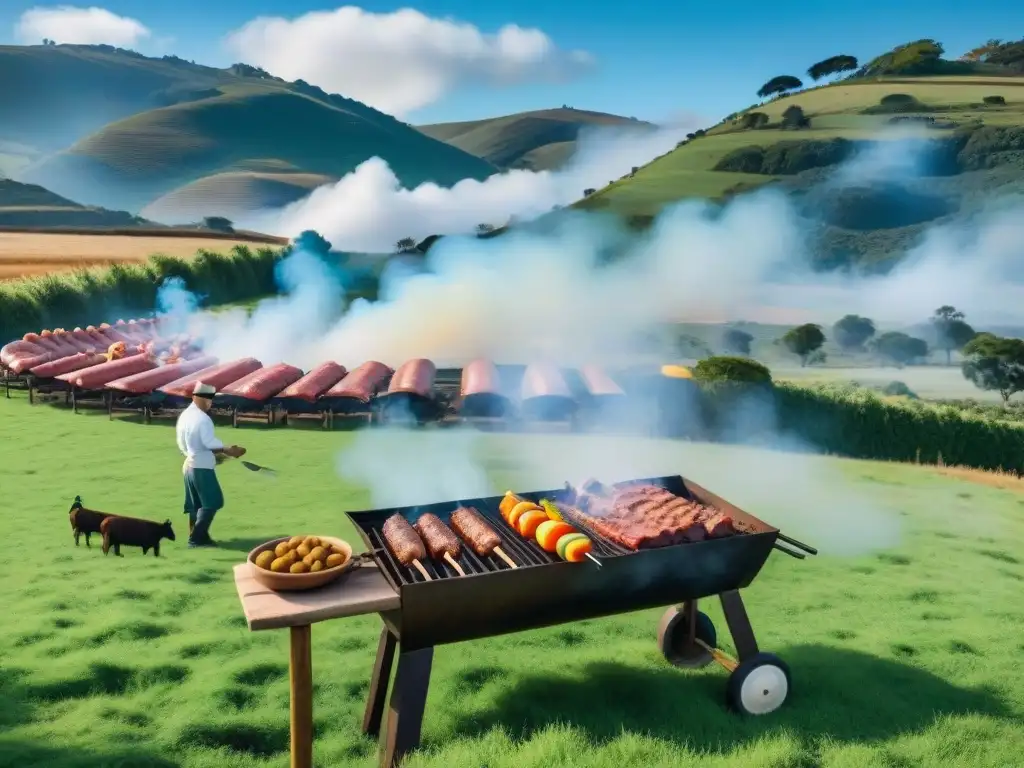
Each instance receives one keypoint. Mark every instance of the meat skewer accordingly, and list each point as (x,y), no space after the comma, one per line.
(483,540)
(405,544)
(441,543)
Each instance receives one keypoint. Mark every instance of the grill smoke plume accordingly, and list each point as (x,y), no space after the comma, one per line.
(368,210)
(529,296)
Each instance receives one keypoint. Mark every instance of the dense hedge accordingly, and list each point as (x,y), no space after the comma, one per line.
(103,295)
(855,422)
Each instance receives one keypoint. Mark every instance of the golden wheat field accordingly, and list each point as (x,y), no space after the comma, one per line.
(23,254)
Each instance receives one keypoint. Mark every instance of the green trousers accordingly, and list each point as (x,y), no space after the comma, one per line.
(203,498)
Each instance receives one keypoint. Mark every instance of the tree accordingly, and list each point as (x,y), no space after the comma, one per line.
(832,66)
(484,229)
(589,191)
(219,223)
(794,117)
(852,331)
(982,52)
(313,242)
(803,340)
(753,120)
(405,245)
(899,348)
(951,332)
(741,369)
(779,84)
(995,364)
(737,342)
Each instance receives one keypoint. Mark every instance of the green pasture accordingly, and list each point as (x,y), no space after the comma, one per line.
(835,111)
(903,636)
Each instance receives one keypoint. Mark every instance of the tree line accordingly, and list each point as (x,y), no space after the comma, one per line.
(990,362)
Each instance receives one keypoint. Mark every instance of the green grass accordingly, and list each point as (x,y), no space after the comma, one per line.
(929,382)
(540,140)
(834,111)
(909,656)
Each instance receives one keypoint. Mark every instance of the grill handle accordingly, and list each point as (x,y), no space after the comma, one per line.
(798,544)
(790,552)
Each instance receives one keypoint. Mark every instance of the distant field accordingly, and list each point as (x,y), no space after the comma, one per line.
(35,253)
(929,382)
(835,112)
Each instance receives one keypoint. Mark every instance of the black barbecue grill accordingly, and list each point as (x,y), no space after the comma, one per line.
(493,598)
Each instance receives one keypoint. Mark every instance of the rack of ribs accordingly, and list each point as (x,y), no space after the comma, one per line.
(646,516)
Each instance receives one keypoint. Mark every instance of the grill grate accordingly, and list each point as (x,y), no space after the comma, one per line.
(524,553)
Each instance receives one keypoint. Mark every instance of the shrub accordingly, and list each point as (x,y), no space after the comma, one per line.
(898,389)
(858,423)
(1000,100)
(897,98)
(734,369)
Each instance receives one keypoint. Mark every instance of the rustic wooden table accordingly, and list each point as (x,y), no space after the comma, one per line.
(363,591)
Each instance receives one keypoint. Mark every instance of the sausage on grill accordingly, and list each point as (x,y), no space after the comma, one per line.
(402,540)
(438,537)
(468,523)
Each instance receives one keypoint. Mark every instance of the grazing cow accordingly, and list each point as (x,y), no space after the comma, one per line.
(134,532)
(85,521)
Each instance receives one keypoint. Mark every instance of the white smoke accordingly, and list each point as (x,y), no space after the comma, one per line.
(368,210)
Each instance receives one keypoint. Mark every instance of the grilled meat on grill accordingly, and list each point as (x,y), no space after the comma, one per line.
(639,516)
(402,540)
(438,537)
(471,527)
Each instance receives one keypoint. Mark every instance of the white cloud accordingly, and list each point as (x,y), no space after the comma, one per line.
(84,26)
(400,61)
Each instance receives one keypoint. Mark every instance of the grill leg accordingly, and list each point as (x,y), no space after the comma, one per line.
(379,683)
(408,700)
(739,624)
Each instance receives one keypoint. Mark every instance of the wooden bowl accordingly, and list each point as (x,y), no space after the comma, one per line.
(292,582)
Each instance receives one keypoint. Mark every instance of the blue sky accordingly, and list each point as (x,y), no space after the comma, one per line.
(654,59)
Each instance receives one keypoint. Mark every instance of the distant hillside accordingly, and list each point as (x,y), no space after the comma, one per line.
(538,140)
(973,126)
(232,194)
(113,128)
(32,206)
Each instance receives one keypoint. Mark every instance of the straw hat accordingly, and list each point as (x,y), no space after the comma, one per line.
(204,390)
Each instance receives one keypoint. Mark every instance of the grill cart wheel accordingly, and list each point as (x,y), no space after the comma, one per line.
(758,685)
(674,641)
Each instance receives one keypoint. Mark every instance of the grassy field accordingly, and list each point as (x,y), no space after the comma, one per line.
(23,254)
(898,657)
(834,111)
(540,140)
(929,382)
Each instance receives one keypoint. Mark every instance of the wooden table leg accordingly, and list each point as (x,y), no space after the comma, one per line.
(378,693)
(408,701)
(301,674)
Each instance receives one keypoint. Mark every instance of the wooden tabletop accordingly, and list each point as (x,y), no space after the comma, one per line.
(362,591)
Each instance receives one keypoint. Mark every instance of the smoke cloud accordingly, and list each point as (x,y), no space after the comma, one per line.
(368,210)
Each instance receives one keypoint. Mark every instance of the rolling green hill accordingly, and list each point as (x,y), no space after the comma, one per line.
(31,206)
(539,140)
(113,128)
(974,149)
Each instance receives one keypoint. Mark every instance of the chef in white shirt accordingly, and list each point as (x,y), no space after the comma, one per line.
(201,448)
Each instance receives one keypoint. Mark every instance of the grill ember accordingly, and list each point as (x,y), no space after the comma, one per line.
(474,568)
